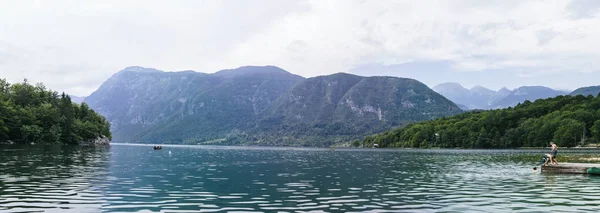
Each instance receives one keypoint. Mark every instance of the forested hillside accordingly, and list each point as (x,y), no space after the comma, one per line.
(34,114)
(146,105)
(339,108)
(563,119)
(259,105)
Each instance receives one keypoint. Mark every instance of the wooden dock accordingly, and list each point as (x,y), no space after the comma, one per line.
(569,168)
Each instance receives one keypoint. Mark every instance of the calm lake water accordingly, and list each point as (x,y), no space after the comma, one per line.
(127,178)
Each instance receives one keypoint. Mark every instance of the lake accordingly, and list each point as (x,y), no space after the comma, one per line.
(136,178)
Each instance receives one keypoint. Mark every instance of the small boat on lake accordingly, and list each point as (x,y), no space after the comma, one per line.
(157,147)
(594,171)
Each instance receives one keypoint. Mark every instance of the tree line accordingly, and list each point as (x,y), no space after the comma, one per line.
(33,114)
(569,121)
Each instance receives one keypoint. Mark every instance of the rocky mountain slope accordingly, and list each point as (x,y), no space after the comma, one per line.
(259,105)
(341,106)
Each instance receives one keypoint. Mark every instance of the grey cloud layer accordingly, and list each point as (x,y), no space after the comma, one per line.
(75,45)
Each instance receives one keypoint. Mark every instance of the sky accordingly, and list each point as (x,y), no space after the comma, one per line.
(74,46)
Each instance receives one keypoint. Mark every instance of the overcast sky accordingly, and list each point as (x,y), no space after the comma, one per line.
(74,46)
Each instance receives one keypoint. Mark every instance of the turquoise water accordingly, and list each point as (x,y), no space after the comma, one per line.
(127,178)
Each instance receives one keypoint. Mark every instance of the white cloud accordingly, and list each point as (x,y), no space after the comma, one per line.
(476,36)
(75,45)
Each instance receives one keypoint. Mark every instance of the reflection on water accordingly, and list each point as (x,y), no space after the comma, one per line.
(51,179)
(126,178)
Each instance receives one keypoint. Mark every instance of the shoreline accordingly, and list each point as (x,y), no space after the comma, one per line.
(348,148)
(105,143)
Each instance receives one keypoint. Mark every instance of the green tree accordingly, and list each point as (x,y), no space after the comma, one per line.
(596,130)
(531,124)
(4,88)
(569,133)
(31,133)
(53,135)
(31,113)
(3,131)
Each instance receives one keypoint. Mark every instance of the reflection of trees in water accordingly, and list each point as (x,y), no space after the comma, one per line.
(43,161)
(50,176)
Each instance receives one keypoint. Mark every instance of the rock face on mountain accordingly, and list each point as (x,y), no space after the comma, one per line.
(147,105)
(482,98)
(259,105)
(340,106)
(498,96)
(591,90)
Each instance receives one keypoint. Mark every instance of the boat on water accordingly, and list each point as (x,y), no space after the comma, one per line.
(157,147)
(594,171)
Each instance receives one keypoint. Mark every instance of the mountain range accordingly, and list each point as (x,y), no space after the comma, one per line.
(259,105)
(480,97)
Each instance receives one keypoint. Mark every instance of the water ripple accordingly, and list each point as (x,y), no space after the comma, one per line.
(195,179)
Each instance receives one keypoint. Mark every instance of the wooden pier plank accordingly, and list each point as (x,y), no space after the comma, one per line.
(569,168)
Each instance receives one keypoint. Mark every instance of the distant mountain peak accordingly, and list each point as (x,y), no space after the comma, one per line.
(504,89)
(536,89)
(482,91)
(338,75)
(449,88)
(245,70)
(450,84)
(139,69)
(481,88)
(476,87)
(524,93)
(479,97)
